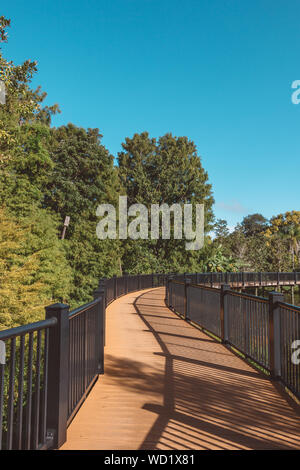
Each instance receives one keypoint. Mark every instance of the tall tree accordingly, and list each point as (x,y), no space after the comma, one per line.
(24,159)
(82,177)
(165,170)
(284,231)
(22,103)
(221,229)
(254,224)
(33,268)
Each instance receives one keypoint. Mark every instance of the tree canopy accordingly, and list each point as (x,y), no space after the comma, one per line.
(48,173)
(165,170)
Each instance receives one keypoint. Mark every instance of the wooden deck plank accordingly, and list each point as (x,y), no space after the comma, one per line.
(169,386)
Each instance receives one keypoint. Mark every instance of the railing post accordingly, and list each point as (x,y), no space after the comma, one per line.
(58,374)
(167,297)
(100,292)
(187,283)
(102,285)
(211,279)
(274,333)
(125,276)
(224,313)
(139,282)
(243,278)
(260,278)
(167,292)
(278,278)
(152,279)
(115,286)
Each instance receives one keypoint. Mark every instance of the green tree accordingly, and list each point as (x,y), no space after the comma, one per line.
(19,293)
(167,170)
(48,173)
(33,268)
(23,104)
(254,224)
(82,177)
(24,176)
(24,159)
(218,261)
(283,235)
(221,229)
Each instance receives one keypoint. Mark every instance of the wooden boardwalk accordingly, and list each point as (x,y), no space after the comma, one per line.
(169,386)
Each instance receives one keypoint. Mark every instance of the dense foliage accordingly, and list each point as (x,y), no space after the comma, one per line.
(49,173)
(167,170)
(261,245)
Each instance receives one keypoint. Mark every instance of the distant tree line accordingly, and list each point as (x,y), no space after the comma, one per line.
(258,244)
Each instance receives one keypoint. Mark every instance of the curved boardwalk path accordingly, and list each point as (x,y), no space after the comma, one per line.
(169,386)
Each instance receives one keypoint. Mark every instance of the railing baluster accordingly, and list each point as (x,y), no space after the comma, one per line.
(85,349)
(20,393)
(2,371)
(22,426)
(37,391)
(45,387)
(77,387)
(82,357)
(11,395)
(29,393)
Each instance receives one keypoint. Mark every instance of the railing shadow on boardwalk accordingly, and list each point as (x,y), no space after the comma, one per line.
(206,405)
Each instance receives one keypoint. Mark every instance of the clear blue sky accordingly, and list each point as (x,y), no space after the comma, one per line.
(218,71)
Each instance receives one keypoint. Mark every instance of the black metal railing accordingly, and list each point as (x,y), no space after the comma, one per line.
(247,328)
(85,352)
(290,346)
(49,367)
(24,385)
(118,286)
(241,279)
(203,307)
(46,370)
(265,330)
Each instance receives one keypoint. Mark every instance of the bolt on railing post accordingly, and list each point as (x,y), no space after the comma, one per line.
(187,283)
(100,292)
(274,333)
(58,374)
(224,313)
